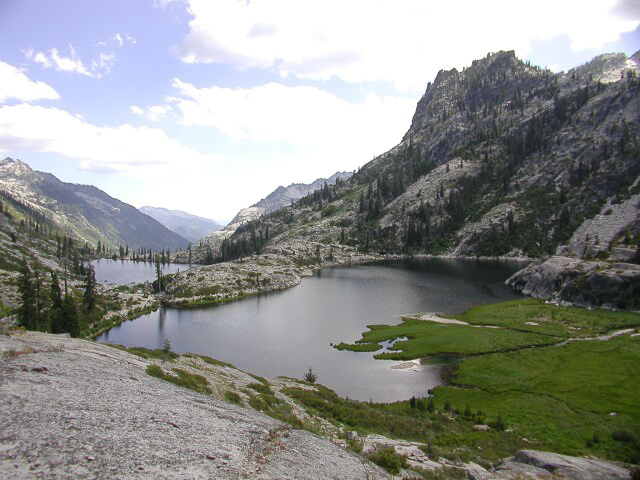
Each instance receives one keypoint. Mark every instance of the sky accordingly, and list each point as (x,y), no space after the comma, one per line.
(207,106)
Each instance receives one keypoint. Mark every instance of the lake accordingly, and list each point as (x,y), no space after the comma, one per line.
(127,271)
(285,333)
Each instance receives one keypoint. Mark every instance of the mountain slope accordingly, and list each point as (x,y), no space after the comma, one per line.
(84,211)
(209,247)
(283,196)
(184,224)
(502,158)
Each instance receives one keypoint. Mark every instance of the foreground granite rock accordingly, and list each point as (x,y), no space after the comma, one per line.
(581,282)
(546,465)
(77,409)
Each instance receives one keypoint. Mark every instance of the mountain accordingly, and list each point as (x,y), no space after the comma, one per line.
(501,159)
(283,196)
(83,211)
(184,224)
(210,246)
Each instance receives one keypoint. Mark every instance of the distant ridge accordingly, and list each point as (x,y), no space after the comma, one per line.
(84,211)
(283,196)
(184,224)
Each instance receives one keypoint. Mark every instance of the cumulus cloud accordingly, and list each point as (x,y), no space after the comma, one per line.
(303,116)
(155,113)
(627,9)
(405,43)
(100,149)
(16,85)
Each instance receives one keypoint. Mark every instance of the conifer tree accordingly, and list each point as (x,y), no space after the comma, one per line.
(27,311)
(71,321)
(89,298)
(158,273)
(55,310)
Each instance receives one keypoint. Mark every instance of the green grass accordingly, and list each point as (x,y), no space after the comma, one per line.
(522,323)
(209,360)
(261,388)
(447,434)
(559,396)
(232,397)
(550,319)
(269,404)
(358,347)
(387,458)
(182,378)
(146,353)
(431,338)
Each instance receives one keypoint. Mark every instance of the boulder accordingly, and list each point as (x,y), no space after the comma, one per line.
(581,282)
(544,465)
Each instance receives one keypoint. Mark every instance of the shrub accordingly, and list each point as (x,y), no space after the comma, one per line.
(500,425)
(183,378)
(261,388)
(387,458)
(232,397)
(310,376)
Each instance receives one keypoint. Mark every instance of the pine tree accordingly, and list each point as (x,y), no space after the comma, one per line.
(159,272)
(55,309)
(27,311)
(70,319)
(41,311)
(89,298)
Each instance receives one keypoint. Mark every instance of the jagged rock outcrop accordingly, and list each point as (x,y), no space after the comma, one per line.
(83,211)
(77,409)
(581,282)
(501,159)
(283,196)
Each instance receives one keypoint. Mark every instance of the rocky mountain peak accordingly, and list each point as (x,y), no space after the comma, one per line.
(607,68)
(283,196)
(14,167)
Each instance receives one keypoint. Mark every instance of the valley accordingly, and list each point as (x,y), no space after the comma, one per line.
(503,162)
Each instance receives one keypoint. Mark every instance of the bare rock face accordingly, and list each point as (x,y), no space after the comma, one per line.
(545,465)
(581,282)
(283,196)
(76,409)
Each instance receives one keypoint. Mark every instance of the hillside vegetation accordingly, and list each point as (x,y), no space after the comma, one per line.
(501,159)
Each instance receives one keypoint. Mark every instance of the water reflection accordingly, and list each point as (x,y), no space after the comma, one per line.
(284,333)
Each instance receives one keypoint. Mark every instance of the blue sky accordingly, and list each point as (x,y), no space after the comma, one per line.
(209,105)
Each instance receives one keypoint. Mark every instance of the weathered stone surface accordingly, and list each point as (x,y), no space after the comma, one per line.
(283,196)
(544,465)
(595,234)
(581,282)
(76,409)
(572,467)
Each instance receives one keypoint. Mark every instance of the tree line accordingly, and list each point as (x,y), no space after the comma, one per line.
(45,308)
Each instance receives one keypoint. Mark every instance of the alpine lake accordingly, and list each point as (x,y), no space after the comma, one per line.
(285,333)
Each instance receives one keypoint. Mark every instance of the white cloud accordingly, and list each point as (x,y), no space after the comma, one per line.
(136,110)
(405,42)
(314,121)
(15,84)
(72,63)
(100,149)
(155,113)
(120,39)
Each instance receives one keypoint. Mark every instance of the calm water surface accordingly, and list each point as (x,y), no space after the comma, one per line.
(285,333)
(127,271)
